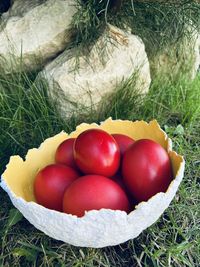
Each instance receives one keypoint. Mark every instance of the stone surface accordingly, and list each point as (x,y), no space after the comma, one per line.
(115,57)
(183,57)
(197,54)
(97,228)
(34,31)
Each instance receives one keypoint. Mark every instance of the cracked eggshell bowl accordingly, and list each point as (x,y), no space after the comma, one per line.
(96,228)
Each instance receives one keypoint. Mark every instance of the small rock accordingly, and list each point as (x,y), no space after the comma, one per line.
(197,55)
(184,57)
(34,31)
(122,54)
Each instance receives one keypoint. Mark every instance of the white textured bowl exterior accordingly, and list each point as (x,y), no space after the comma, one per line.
(97,228)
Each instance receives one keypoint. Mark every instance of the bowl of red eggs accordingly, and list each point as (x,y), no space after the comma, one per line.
(98,186)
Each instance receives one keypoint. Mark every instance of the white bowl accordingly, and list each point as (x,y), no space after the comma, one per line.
(96,228)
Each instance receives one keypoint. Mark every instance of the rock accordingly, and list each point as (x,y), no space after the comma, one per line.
(122,55)
(184,57)
(197,55)
(34,31)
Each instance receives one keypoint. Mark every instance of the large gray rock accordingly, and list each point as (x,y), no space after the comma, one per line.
(33,31)
(96,76)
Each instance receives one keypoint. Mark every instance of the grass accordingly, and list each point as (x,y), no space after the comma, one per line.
(160,25)
(27,117)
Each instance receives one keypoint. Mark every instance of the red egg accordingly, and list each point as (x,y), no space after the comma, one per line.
(94,192)
(64,153)
(96,152)
(123,141)
(118,178)
(146,169)
(50,184)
